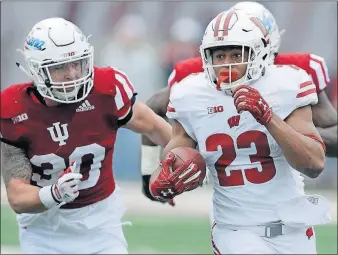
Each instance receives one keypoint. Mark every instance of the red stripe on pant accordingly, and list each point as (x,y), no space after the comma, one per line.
(215,249)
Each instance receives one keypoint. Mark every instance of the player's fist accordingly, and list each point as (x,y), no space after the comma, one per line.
(249,99)
(66,188)
(146,191)
(169,183)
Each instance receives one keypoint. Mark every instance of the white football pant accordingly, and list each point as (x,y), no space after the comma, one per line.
(93,229)
(249,241)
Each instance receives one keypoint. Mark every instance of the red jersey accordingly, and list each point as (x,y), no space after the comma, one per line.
(84,132)
(315,66)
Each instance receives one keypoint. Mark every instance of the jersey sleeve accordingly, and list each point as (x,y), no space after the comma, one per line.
(172,78)
(124,95)
(297,90)
(314,65)
(8,133)
(319,72)
(306,93)
(11,117)
(176,110)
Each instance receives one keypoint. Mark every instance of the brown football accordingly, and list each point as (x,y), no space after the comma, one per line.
(186,153)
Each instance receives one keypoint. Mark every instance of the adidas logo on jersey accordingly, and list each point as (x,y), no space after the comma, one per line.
(86,106)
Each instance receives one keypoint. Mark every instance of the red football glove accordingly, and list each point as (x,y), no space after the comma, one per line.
(147,193)
(249,99)
(169,184)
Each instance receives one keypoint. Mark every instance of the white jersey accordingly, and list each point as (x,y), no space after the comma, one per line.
(250,173)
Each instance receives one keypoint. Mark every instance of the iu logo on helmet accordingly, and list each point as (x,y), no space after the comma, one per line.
(58,135)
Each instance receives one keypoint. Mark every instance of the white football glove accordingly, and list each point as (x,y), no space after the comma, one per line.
(65,190)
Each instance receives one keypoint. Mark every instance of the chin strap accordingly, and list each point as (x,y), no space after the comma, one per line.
(24,70)
(38,96)
(282,32)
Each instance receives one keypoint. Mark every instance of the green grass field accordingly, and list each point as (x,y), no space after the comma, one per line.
(167,235)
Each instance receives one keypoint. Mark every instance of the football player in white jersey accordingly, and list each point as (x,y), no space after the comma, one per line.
(324,114)
(252,124)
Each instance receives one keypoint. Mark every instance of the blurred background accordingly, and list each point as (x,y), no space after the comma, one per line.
(145,39)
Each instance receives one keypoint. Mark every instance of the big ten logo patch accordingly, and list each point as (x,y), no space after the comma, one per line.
(215,109)
(20,118)
(69,54)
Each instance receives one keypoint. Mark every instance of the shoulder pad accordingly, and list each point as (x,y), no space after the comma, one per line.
(191,89)
(12,100)
(297,59)
(113,82)
(314,65)
(184,68)
(110,81)
(104,80)
(293,87)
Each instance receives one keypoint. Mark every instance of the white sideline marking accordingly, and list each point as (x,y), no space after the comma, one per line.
(9,249)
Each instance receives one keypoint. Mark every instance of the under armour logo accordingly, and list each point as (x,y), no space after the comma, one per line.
(58,136)
(169,191)
(313,200)
(234,121)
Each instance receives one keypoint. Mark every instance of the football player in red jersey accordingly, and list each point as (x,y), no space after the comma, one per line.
(323,113)
(57,139)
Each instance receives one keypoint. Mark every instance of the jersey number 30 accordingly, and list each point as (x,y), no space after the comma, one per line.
(253,175)
(88,161)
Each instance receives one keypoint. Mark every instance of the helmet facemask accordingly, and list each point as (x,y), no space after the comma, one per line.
(235,32)
(49,78)
(59,60)
(229,78)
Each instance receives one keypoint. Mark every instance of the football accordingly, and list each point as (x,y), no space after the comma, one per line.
(186,153)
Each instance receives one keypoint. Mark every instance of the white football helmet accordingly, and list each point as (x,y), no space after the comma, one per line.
(236,28)
(51,44)
(259,11)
